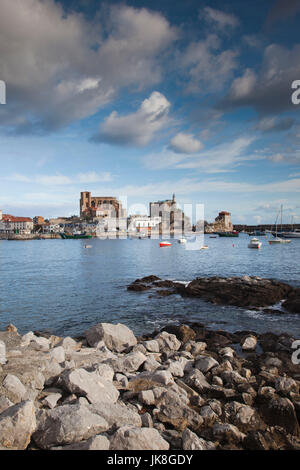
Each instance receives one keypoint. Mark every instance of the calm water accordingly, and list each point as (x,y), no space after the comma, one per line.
(59,286)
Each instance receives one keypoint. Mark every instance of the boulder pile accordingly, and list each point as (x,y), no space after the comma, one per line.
(184,387)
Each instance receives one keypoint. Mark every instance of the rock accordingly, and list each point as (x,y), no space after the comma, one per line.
(90,385)
(58,353)
(198,347)
(205,363)
(151,345)
(131,438)
(105,371)
(11,328)
(227,432)
(118,414)
(67,424)
(190,441)
(175,412)
(17,424)
(69,344)
(94,443)
(285,385)
(281,412)
(243,416)
(227,352)
(39,343)
(12,384)
(208,415)
(249,343)
(197,381)
(51,400)
(147,397)
(25,340)
(116,337)
(2,353)
(182,332)
(128,363)
(151,364)
(167,342)
(147,421)
(292,304)
(4,403)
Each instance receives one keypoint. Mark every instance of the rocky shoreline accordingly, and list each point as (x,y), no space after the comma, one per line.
(245,291)
(184,387)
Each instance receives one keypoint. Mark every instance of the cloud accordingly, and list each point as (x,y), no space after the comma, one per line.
(273,124)
(218,159)
(136,129)
(60,180)
(185,143)
(207,67)
(60,67)
(219,18)
(267,90)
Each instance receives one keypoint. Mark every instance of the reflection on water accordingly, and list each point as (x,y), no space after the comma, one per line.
(60,286)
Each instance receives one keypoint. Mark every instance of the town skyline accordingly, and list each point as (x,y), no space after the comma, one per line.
(140,101)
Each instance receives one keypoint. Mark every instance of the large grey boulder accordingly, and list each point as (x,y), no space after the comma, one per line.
(249,343)
(94,443)
(116,337)
(2,353)
(4,403)
(67,424)
(129,363)
(14,387)
(243,416)
(167,342)
(190,441)
(117,414)
(205,363)
(90,385)
(17,424)
(131,438)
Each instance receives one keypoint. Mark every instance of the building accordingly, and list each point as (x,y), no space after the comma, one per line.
(222,223)
(100,207)
(172,219)
(12,224)
(38,220)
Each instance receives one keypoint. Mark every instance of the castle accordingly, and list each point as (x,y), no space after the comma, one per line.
(222,223)
(100,207)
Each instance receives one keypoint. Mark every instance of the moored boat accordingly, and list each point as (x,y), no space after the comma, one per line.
(255,243)
(228,234)
(74,236)
(162,244)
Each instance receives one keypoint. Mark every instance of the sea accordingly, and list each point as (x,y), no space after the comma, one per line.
(62,287)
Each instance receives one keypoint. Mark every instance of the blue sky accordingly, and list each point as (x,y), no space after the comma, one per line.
(141,99)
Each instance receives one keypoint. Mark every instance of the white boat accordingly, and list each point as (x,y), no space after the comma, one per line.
(277,241)
(182,241)
(255,243)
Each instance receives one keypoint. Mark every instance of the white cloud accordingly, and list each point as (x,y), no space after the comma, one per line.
(221,19)
(207,67)
(221,158)
(185,143)
(136,128)
(61,67)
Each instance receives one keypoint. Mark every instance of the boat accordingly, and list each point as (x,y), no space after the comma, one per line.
(204,247)
(213,236)
(295,234)
(228,234)
(74,236)
(257,233)
(255,243)
(87,246)
(278,240)
(162,244)
(182,241)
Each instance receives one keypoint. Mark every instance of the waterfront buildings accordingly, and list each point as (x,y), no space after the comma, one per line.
(12,224)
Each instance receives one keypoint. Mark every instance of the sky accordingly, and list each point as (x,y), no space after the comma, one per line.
(141,99)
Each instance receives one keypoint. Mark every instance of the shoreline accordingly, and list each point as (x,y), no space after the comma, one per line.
(185,387)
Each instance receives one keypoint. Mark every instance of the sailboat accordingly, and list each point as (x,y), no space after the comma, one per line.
(293,233)
(277,240)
